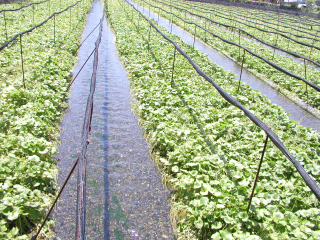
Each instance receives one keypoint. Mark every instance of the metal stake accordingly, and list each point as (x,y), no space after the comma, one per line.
(274,50)
(171,22)
(174,59)
(194,36)
(205,32)
(239,42)
(305,76)
(288,41)
(257,175)
(5,24)
(54,28)
(149,38)
(32,15)
(24,83)
(244,52)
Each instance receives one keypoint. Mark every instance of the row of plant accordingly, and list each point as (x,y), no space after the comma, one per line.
(12,23)
(262,35)
(272,25)
(288,39)
(207,150)
(290,19)
(31,110)
(15,5)
(301,23)
(293,86)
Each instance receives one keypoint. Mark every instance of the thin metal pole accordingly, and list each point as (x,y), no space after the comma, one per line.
(24,83)
(194,36)
(55,201)
(312,44)
(288,41)
(5,24)
(257,175)
(244,52)
(274,50)
(174,59)
(33,15)
(305,76)
(205,32)
(149,38)
(239,42)
(171,22)
(54,28)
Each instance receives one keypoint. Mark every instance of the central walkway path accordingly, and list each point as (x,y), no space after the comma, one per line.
(125,198)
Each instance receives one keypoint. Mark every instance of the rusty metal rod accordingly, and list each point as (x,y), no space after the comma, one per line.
(56,199)
(257,175)
(244,52)
(24,83)
(174,59)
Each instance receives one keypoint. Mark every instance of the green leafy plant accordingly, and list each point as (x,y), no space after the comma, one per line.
(208,151)
(29,116)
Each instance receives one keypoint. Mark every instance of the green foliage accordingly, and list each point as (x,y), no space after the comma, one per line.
(208,151)
(293,87)
(294,6)
(30,116)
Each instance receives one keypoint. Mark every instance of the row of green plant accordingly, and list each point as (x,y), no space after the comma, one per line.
(274,18)
(272,39)
(15,5)
(274,24)
(12,23)
(30,114)
(293,86)
(258,30)
(207,150)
